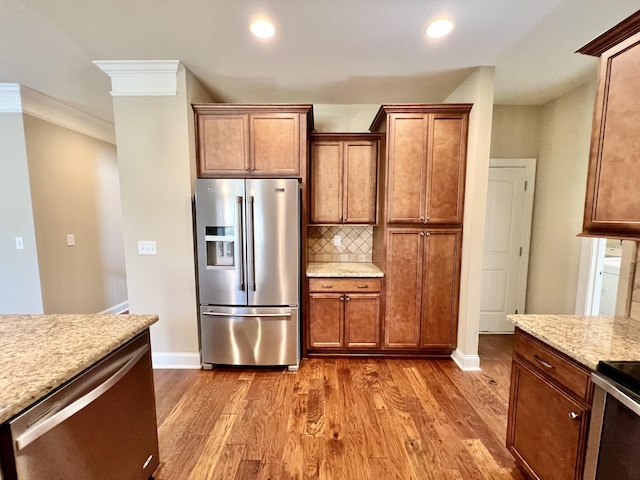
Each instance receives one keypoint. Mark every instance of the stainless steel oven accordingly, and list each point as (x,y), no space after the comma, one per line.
(613,448)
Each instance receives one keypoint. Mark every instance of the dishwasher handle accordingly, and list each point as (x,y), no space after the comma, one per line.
(45,425)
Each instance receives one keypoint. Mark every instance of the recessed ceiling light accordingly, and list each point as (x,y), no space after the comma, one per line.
(263,29)
(439,28)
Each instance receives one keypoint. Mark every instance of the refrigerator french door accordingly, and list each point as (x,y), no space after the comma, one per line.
(248,243)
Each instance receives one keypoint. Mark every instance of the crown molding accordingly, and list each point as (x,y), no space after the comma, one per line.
(141,77)
(16,98)
(10,99)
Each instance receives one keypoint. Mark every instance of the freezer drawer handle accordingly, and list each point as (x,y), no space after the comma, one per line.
(41,428)
(256,315)
(240,262)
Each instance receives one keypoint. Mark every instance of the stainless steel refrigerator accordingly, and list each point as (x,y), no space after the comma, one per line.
(248,248)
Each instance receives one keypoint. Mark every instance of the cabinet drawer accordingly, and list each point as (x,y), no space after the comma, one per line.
(553,365)
(344,285)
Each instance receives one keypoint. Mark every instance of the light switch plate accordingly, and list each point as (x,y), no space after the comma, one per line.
(337,240)
(71,240)
(19,243)
(147,247)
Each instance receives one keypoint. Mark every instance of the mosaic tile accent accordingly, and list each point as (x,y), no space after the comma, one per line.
(356,244)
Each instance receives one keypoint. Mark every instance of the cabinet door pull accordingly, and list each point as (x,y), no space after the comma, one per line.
(327,286)
(574,415)
(542,362)
(342,299)
(347,299)
(363,286)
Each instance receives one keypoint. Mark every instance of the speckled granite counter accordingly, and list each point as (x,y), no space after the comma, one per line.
(40,352)
(586,339)
(335,269)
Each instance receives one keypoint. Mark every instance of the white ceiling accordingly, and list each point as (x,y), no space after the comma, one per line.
(324,51)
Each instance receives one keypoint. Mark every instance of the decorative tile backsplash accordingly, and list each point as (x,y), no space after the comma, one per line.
(356,244)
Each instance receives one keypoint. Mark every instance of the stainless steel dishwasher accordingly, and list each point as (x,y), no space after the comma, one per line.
(100,425)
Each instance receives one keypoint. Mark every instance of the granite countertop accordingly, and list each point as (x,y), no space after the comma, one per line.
(41,352)
(586,339)
(343,269)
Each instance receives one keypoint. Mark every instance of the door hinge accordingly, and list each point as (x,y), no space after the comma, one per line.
(526,184)
(520,251)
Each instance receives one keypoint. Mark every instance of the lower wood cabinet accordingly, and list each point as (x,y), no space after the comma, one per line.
(341,317)
(423,272)
(548,418)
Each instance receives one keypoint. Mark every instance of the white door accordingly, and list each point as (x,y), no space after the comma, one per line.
(506,245)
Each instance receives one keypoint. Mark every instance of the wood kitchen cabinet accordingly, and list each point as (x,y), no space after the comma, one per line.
(423,272)
(342,317)
(612,203)
(251,140)
(549,411)
(344,178)
(426,162)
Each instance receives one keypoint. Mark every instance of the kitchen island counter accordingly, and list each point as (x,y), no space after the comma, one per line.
(586,339)
(342,269)
(38,353)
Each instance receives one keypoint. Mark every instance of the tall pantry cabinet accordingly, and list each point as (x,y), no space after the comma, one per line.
(420,231)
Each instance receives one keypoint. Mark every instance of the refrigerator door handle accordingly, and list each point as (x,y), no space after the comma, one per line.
(240,260)
(251,266)
(249,315)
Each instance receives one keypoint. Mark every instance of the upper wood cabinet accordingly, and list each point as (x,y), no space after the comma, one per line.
(344,178)
(426,162)
(252,140)
(612,204)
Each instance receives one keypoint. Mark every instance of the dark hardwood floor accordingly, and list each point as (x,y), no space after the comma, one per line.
(339,419)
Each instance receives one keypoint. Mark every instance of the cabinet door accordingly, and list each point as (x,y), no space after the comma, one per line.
(403,287)
(440,288)
(547,428)
(326,182)
(362,320)
(406,167)
(360,181)
(223,145)
(446,162)
(326,320)
(275,144)
(612,204)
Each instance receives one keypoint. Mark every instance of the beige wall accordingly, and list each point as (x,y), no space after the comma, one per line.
(19,277)
(344,117)
(477,89)
(515,131)
(559,202)
(155,154)
(75,190)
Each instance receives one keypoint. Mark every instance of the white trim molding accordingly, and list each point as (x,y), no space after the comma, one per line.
(116,309)
(16,98)
(141,77)
(10,98)
(467,363)
(183,360)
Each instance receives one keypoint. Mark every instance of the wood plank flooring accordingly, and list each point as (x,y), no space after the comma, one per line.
(339,419)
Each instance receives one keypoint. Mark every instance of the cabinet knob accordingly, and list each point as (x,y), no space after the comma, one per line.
(422,218)
(428,234)
(246,169)
(428,218)
(574,415)
(348,299)
(342,299)
(422,234)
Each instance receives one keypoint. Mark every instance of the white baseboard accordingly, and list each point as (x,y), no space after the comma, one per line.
(116,309)
(183,360)
(467,363)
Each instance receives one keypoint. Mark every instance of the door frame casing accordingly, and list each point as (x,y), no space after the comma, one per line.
(529,164)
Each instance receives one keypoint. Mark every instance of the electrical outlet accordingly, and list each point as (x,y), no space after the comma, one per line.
(337,240)
(71,240)
(19,243)
(147,247)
